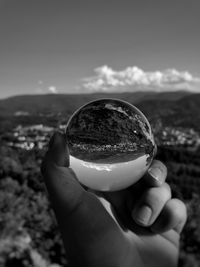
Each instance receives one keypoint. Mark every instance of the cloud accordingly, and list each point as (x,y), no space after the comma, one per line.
(134,79)
(52,89)
(42,88)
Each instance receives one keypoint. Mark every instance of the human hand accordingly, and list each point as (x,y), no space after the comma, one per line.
(112,229)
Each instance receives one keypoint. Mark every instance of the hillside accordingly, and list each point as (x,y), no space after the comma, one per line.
(184,112)
(35,104)
(175,109)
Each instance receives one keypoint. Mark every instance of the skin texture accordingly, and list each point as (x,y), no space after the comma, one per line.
(113,229)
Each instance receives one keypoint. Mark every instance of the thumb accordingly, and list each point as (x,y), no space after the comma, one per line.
(58,149)
(83,220)
(64,190)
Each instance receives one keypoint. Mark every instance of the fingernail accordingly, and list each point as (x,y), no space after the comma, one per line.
(155,172)
(142,215)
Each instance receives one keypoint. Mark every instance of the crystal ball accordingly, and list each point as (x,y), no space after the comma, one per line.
(111,144)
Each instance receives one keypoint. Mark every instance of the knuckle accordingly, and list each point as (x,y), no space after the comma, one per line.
(167,189)
(180,210)
(158,195)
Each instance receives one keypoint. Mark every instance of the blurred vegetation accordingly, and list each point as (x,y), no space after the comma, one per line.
(184,177)
(28,231)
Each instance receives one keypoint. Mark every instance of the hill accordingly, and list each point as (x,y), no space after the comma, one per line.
(184,112)
(35,104)
(180,109)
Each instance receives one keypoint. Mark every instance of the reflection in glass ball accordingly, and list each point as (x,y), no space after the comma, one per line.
(110,143)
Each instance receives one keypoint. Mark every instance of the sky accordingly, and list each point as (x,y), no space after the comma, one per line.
(71,46)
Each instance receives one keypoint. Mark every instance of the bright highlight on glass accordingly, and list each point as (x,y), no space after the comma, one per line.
(110,143)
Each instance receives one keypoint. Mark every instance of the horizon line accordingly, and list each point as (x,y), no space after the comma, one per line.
(100,93)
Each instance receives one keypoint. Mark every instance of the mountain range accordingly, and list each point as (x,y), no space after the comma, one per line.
(174,108)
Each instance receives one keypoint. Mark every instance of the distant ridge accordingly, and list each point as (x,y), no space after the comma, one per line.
(56,103)
(178,109)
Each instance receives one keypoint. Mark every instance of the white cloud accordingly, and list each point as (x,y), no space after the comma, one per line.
(52,89)
(133,79)
(43,88)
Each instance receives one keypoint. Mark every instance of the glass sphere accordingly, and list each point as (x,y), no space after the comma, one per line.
(111,144)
